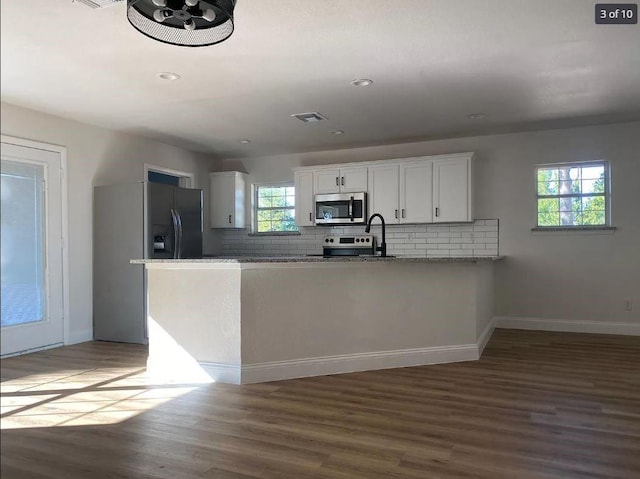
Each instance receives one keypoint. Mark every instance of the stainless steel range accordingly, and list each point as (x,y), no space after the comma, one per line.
(348,245)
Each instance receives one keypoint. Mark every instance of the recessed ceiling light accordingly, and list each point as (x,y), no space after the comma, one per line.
(168,76)
(362,82)
(244,142)
(337,132)
(477,116)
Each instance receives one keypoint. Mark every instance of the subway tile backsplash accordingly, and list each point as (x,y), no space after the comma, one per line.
(479,238)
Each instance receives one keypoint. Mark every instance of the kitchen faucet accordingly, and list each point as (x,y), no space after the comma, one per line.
(383,245)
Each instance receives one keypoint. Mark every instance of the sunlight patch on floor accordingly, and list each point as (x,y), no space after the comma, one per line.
(83,397)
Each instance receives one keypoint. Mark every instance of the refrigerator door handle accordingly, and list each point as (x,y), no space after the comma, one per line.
(174,219)
(179,221)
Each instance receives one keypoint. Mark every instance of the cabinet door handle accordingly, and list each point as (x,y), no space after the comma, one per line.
(229,219)
(437,212)
(403,213)
(337,181)
(342,181)
(310,218)
(396,213)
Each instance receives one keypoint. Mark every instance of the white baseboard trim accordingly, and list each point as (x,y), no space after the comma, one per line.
(348,363)
(485,336)
(76,337)
(223,373)
(32,350)
(565,325)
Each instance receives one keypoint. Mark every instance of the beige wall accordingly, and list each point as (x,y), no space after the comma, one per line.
(582,277)
(96,156)
(315,310)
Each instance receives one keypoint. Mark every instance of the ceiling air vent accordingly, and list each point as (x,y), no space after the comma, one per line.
(99,3)
(309,117)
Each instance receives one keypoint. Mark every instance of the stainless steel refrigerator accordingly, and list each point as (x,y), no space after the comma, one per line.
(137,220)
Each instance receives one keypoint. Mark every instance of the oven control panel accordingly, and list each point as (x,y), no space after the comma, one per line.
(348,245)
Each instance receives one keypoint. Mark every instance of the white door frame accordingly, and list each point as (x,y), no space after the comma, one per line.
(62,151)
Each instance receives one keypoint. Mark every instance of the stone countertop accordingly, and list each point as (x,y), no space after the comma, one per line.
(317,259)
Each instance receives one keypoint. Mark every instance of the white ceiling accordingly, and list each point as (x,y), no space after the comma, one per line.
(526,64)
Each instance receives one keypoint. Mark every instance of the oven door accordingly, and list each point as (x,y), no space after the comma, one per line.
(344,208)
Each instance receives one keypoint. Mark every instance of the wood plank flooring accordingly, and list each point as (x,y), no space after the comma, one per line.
(537,405)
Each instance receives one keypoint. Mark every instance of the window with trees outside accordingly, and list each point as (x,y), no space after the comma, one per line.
(275,209)
(573,194)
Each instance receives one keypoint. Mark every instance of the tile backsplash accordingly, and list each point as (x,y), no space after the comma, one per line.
(479,238)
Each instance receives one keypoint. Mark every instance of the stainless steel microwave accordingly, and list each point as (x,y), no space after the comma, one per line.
(341,208)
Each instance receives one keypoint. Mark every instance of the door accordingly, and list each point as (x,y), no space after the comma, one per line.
(161,243)
(415,192)
(222,200)
(304,198)
(188,205)
(326,181)
(32,255)
(384,192)
(353,180)
(451,191)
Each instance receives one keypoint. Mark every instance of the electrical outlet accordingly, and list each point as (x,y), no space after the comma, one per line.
(410,236)
(628,305)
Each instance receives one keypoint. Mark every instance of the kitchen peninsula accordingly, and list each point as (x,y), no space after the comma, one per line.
(249,320)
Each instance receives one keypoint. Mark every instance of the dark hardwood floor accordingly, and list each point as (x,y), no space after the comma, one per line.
(537,405)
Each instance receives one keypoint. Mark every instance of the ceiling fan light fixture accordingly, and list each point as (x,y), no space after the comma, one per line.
(187,23)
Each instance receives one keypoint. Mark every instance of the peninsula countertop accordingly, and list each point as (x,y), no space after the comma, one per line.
(317,259)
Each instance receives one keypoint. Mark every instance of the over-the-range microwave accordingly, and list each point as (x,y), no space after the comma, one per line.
(341,208)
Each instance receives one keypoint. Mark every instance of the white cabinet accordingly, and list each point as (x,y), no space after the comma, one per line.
(452,191)
(227,199)
(340,180)
(401,193)
(416,203)
(429,189)
(304,198)
(384,192)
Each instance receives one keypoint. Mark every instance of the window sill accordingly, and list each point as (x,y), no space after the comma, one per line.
(276,233)
(575,229)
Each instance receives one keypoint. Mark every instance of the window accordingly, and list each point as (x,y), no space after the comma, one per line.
(275,209)
(573,194)
(155,177)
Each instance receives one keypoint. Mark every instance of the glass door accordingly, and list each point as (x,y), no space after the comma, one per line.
(31,249)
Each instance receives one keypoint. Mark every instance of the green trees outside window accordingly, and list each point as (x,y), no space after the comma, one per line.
(275,209)
(572,195)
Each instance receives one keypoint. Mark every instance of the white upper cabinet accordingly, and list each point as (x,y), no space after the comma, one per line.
(304,198)
(227,199)
(401,193)
(416,203)
(340,180)
(452,191)
(430,189)
(384,192)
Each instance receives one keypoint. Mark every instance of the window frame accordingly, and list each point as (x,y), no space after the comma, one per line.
(255,209)
(606,195)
